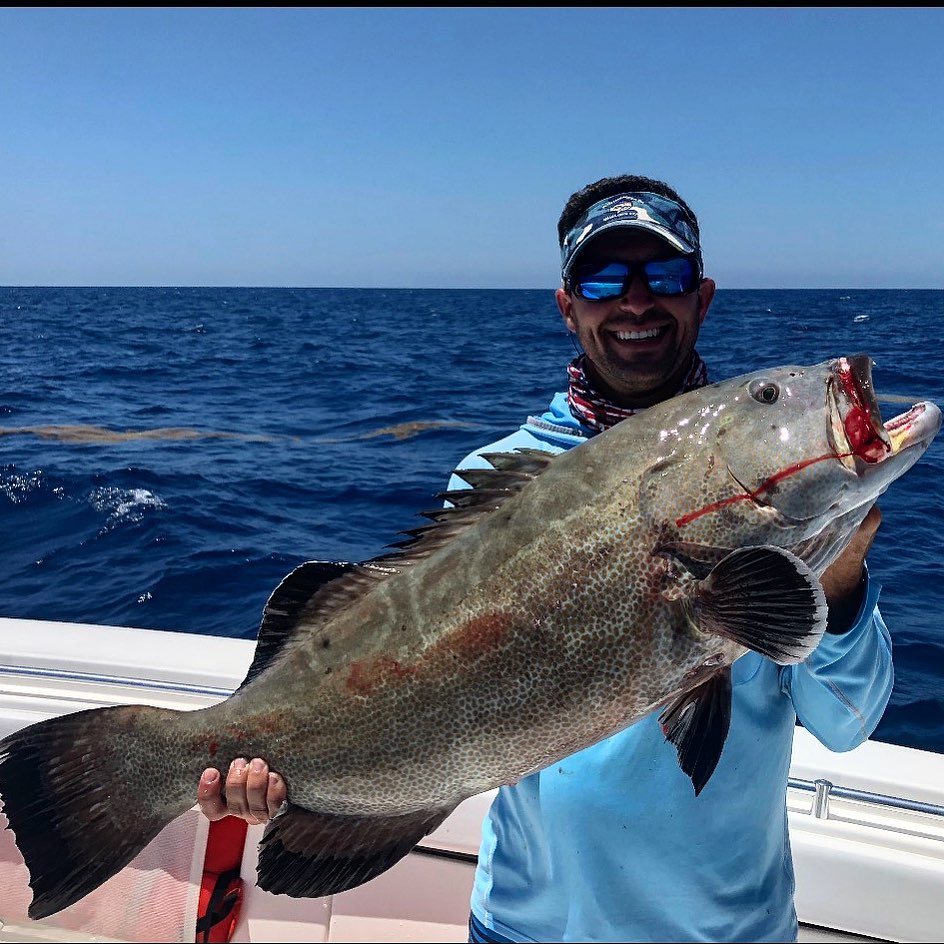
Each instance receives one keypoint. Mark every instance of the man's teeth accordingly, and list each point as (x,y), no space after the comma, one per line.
(638,335)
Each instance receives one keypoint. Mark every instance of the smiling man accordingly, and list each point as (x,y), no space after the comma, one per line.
(612,844)
(634,299)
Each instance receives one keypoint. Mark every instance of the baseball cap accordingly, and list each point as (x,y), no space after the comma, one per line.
(643,210)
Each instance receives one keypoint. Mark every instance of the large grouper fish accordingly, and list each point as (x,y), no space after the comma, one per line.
(553,603)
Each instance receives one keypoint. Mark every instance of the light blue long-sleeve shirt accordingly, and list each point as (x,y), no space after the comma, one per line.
(611,844)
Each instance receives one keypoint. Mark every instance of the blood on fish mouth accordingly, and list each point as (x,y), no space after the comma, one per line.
(862,434)
(864,430)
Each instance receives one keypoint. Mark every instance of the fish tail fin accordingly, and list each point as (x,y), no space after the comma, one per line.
(81,796)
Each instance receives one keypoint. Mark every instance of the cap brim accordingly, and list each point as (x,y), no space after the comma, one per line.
(663,232)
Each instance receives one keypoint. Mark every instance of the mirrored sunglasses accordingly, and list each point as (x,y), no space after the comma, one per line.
(608,280)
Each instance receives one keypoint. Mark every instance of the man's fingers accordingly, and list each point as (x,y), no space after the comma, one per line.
(248,788)
(210,801)
(237,797)
(257,785)
(276,793)
(252,792)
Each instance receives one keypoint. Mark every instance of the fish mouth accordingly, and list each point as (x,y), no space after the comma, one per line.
(856,430)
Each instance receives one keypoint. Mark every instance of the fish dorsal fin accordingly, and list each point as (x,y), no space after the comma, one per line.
(510,472)
(317,590)
(522,461)
(490,488)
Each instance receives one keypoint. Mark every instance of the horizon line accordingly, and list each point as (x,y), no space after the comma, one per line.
(444,288)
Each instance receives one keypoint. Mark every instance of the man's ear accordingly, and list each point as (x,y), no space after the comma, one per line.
(565,305)
(706,292)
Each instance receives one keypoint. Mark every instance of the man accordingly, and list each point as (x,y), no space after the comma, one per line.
(612,844)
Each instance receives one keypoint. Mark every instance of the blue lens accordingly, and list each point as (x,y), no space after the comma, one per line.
(670,276)
(666,277)
(608,282)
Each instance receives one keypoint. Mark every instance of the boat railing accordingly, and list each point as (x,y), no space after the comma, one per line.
(824,789)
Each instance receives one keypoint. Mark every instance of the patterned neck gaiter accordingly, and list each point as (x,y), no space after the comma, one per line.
(593,409)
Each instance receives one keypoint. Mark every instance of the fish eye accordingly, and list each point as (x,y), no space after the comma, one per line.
(764,391)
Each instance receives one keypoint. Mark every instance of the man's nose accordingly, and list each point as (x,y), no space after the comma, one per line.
(637,299)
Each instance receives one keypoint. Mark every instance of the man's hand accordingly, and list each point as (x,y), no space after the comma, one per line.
(842,580)
(252,792)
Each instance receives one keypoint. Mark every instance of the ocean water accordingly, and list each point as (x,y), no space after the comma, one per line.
(167,455)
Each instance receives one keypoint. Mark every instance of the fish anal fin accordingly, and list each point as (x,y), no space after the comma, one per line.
(305,854)
(697,723)
(766,599)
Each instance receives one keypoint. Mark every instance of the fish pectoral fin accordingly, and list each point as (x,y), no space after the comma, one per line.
(764,598)
(306,854)
(697,724)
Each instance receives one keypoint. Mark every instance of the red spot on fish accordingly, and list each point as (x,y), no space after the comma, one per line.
(368,673)
(471,638)
(479,634)
(205,742)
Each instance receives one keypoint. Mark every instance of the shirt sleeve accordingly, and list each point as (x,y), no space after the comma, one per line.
(842,689)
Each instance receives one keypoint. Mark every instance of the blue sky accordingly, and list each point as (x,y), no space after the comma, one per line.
(435,148)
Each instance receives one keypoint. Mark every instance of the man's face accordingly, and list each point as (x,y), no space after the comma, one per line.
(639,345)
